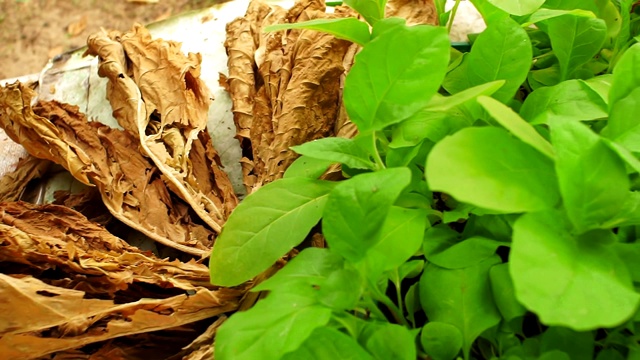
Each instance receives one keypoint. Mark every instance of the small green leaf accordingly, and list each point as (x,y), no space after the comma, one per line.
(546,14)
(445,103)
(382,88)
(441,341)
(575,40)
(326,343)
(426,124)
(502,52)
(623,126)
(336,149)
(461,298)
(400,238)
(572,100)
(577,345)
(266,331)
(465,253)
(371,10)
(391,341)
(593,179)
(356,210)
(412,303)
(488,168)
(266,225)
(350,29)
(518,7)
(567,281)
(516,125)
(626,75)
(307,167)
(503,293)
(342,290)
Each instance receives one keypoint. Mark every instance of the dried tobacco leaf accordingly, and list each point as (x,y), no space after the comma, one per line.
(156,93)
(13,184)
(297,87)
(414,11)
(47,319)
(131,187)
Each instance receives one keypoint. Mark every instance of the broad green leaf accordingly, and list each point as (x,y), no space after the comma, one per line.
(592,177)
(383,88)
(457,79)
(516,125)
(461,298)
(624,154)
(630,253)
(502,52)
(602,85)
(264,226)
(309,269)
(391,341)
(426,124)
(441,341)
(445,103)
(503,293)
(572,100)
(518,7)
(626,75)
(565,280)
(371,10)
(400,238)
(342,290)
(326,343)
(575,40)
(577,345)
(546,14)
(571,5)
(307,167)
(623,126)
(465,253)
(356,210)
(273,327)
(490,13)
(409,270)
(336,149)
(486,167)
(348,28)
(623,35)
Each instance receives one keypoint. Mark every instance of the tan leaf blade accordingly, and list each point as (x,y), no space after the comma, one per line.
(156,93)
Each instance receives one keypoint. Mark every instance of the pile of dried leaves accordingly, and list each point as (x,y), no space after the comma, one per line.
(75,290)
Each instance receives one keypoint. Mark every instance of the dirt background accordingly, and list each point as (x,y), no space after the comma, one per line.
(32,31)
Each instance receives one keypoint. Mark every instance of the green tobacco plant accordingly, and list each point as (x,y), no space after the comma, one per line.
(490,207)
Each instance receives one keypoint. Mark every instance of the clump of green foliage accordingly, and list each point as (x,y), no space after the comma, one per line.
(491,206)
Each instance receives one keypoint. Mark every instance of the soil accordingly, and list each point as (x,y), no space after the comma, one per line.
(32,31)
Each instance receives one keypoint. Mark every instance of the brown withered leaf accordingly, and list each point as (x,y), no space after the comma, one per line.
(296,94)
(156,93)
(13,184)
(88,202)
(131,187)
(46,319)
(45,237)
(414,11)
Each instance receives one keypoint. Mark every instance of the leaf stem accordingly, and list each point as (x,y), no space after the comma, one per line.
(379,296)
(376,154)
(453,15)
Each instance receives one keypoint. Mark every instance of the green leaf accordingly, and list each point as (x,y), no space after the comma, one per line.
(578,345)
(342,290)
(503,293)
(444,103)
(264,226)
(391,341)
(502,52)
(371,10)
(490,13)
(336,149)
(304,273)
(412,303)
(518,7)
(568,281)
(349,28)
(357,208)
(593,179)
(486,167)
(307,167)
(400,238)
(609,354)
(273,327)
(546,14)
(575,40)
(630,253)
(426,124)
(572,100)
(383,88)
(441,341)
(626,75)
(623,126)
(461,298)
(465,253)
(326,343)
(516,125)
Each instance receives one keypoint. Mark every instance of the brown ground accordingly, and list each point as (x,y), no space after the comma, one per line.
(32,31)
